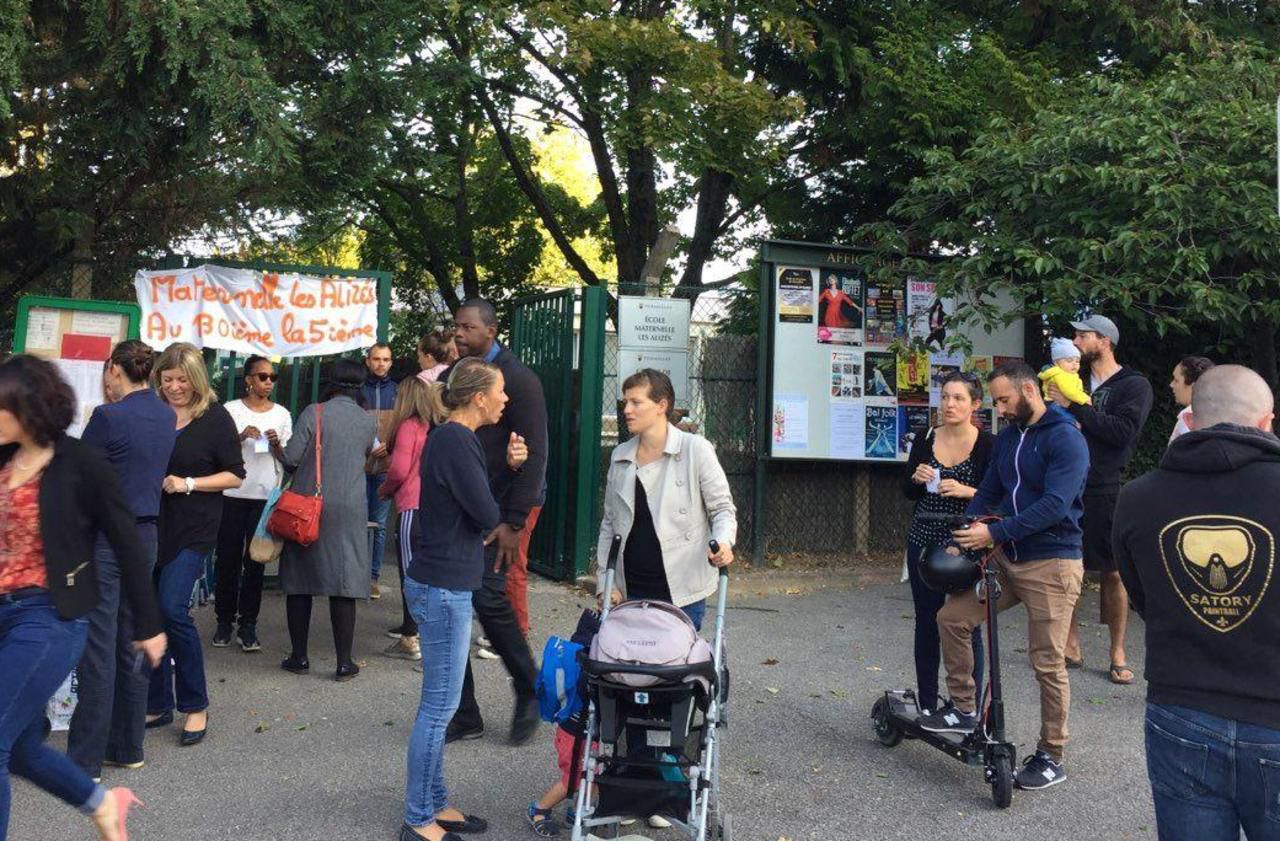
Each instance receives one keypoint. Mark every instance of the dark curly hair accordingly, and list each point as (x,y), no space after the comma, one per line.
(34,391)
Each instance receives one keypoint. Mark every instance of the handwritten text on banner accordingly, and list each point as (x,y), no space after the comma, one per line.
(248,311)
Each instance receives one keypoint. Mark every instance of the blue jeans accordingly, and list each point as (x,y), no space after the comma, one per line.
(183,666)
(444,627)
(111,683)
(38,649)
(696,613)
(379,509)
(1212,776)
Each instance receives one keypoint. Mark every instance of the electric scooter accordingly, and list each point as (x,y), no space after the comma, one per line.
(896,714)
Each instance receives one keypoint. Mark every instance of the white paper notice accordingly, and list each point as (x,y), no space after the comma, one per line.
(790,422)
(934,482)
(85,379)
(261,444)
(848,430)
(42,329)
(98,323)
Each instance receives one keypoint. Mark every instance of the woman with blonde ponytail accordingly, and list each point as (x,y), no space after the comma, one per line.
(419,405)
(447,566)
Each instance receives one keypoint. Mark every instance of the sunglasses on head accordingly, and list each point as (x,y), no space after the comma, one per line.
(263,378)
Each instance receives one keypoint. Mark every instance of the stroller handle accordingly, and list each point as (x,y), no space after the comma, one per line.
(714,546)
(615,548)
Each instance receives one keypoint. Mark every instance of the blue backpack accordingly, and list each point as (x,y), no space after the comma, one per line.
(557,685)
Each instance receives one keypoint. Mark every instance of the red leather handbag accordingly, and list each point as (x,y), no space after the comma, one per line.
(297,516)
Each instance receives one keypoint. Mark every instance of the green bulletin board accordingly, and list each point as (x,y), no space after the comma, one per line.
(76,335)
(838,387)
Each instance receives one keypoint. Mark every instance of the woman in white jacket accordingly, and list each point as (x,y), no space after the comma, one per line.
(667,496)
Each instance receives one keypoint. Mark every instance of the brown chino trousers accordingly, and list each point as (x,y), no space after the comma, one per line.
(1049,589)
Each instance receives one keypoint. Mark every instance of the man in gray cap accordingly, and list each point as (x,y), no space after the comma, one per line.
(1111,425)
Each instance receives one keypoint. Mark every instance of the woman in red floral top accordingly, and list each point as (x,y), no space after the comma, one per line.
(56,496)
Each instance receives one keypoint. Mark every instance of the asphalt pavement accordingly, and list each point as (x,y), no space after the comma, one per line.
(290,757)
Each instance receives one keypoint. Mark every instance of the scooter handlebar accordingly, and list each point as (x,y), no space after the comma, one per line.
(714,546)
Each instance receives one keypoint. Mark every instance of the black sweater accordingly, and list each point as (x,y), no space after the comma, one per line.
(526,415)
(80,497)
(458,512)
(207,445)
(1195,542)
(922,453)
(1111,426)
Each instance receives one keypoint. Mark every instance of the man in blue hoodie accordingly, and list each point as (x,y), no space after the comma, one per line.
(1034,483)
(379,400)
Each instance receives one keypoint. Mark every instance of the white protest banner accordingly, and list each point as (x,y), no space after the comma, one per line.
(250,311)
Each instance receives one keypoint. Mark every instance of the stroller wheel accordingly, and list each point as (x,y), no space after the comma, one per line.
(726,828)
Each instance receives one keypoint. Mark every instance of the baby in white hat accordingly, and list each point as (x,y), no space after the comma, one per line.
(1064,373)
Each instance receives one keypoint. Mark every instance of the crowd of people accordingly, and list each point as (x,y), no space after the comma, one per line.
(104,539)
(1190,546)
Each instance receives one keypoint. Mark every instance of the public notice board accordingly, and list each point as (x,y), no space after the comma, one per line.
(251,311)
(76,335)
(854,365)
(654,333)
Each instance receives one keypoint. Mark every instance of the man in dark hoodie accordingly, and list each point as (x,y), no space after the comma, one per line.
(379,400)
(1111,425)
(1195,541)
(1034,483)
(520,496)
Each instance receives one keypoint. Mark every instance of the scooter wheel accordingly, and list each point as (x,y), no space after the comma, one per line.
(726,828)
(887,731)
(1002,781)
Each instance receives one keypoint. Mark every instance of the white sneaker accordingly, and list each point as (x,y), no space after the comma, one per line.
(486,654)
(659,822)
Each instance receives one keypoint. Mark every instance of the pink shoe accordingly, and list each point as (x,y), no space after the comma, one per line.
(125,799)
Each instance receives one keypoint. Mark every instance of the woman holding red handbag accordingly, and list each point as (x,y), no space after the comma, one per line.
(327,455)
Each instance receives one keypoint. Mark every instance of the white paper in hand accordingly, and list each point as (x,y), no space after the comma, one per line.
(261,444)
(932,485)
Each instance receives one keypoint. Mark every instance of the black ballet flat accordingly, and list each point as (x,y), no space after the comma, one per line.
(346,672)
(407,834)
(297,665)
(469,824)
(164,720)
(193,737)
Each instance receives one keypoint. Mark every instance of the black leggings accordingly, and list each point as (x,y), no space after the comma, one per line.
(928,646)
(342,615)
(406,529)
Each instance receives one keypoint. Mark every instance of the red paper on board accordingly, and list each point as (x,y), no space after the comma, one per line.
(91,348)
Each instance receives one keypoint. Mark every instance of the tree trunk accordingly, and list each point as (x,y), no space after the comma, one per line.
(82,258)
(1263,339)
(462,213)
(714,189)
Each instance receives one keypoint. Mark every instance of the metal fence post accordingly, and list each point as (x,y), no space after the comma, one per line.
(590,427)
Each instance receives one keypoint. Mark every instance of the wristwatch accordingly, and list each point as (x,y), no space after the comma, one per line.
(191,485)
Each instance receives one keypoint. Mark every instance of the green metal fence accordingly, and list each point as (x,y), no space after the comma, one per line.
(559,335)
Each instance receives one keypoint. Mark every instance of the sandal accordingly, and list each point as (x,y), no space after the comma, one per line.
(1075,664)
(1118,671)
(544,826)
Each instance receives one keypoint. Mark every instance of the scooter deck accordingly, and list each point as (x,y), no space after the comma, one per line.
(905,710)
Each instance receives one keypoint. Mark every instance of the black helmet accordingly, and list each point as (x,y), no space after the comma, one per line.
(947,568)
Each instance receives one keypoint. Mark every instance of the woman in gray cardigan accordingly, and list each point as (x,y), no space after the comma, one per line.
(336,565)
(668,497)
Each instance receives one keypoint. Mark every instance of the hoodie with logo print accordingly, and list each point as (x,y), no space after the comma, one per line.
(1034,483)
(1195,542)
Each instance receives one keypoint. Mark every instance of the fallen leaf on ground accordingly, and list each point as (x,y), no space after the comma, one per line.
(874,669)
(772,690)
(772,661)
(262,727)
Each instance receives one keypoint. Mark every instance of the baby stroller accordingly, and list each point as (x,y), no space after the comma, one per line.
(655,701)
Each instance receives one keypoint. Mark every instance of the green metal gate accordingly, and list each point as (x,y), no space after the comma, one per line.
(545,330)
